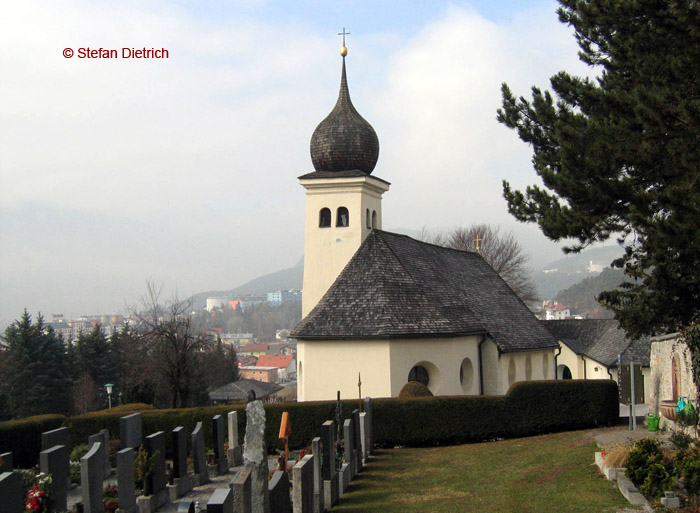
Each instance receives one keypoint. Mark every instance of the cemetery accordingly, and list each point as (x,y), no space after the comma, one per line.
(163,460)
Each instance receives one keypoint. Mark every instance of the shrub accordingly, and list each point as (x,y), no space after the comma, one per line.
(78,452)
(415,389)
(681,440)
(22,437)
(687,465)
(644,454)
(656,481)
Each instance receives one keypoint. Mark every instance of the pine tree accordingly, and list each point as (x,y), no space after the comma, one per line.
(619,155)
(38,378)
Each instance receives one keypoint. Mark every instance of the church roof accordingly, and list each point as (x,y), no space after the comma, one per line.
(600,339)
(344,140)
(397,287)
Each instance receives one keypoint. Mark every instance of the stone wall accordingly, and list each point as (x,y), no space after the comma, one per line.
(662,353)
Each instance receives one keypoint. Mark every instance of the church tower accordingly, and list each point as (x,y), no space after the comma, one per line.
(343,200)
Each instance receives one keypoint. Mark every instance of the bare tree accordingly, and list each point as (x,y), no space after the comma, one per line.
(174,345)
(502,252)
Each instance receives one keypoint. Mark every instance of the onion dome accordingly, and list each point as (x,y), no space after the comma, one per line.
(344,141)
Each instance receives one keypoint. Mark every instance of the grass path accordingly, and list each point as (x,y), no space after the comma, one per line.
(550,473)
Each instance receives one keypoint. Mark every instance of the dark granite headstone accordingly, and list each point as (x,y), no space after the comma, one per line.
(221,501)
(91,470)
(126,490)
(60,436)
(56,461)
(11,496)
(218,428)
(130,431)
(370,435)
(198,457)
(356,441)
(328,449)
(104,450)
(155,445)
(279,493)
(303,485)
(179,435)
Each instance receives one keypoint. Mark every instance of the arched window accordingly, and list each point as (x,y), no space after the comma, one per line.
(511,371)
(343,218)
(369,224)
(324,218)
(528,368)
(466,375)
(374,219)
(420,374)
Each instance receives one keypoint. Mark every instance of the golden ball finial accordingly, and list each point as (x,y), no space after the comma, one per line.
(343,50)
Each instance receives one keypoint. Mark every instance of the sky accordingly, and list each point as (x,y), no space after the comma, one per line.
(183,171)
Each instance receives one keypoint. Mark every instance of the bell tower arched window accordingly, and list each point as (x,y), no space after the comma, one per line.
(343,218)
(374,219)
(324,218)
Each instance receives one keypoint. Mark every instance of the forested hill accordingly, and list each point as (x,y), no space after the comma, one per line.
(581,297)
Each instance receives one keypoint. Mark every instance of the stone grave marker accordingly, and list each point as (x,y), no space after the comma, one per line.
(221,501)
(60,436)
(155,445)
(349,441)
(356,441)
(303,485)
(235,455)
(241,488)
(56,461)
(255,455)
(5,462)
(198,457)
(279,493)
(186,507)
(364,433)
(328,469)
(91,470)
(126,489)
(318,477)
(179,437)
(103,438)
(219,451)
(11,493)
(370,435)
(130,431)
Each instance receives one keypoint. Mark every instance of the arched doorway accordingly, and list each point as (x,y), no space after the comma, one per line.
(563,372)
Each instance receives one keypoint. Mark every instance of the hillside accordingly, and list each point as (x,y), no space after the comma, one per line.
(581,297)
(286,279)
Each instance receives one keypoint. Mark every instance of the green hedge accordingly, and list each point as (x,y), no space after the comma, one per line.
(529,408)
(23,437)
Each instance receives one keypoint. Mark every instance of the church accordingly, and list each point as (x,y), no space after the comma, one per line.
(382,309)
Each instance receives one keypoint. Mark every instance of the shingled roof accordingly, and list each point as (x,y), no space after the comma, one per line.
(600,339)
(238,390)
(397,287)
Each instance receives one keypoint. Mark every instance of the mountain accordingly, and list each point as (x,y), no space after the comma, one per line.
(286,279)
(581,297)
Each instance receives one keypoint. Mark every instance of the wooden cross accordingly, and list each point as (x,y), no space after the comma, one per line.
(478,241)
(343,33)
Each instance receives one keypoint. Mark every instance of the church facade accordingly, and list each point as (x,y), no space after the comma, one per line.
(381,309)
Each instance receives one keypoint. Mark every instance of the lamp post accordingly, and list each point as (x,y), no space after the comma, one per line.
(108,387)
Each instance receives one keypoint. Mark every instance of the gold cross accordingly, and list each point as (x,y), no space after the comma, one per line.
(343,33)
(478,242)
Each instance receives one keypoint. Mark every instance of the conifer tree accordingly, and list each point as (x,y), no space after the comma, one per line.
(619,154)
(38,378)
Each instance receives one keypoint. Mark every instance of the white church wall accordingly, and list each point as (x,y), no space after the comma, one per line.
(569,359)
(327,366)
(445,359)
(492,368)
(525,366)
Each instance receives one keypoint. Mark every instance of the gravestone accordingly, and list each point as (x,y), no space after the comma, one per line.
(198,457)
(356,441)
(103,439)
(364,433)
(126,490)
(5,462)
(303,485)
(221,501)
(279,493)
(60,436)
(318,477)
(56,461)
(255,456)
(130,429)
(344,478)
(349,440)
(186,507)
(179,437)
(155,446)
(11,495)
(219,451)
(235,455)
(241,488)
(370,434)
(91,470)
(328,470)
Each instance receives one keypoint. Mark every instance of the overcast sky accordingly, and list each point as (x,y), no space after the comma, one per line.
(184,170)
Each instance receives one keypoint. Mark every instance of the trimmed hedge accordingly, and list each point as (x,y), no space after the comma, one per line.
(529,408)
(22,437)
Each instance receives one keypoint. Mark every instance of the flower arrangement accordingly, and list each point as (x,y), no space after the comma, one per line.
(38,495)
